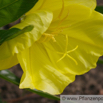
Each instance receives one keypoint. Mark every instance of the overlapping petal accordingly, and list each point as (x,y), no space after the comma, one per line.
(75,52)
(88,36)
(61,8)
(53,5)
(89,31)
(71,15)
(40,20)
(40,72)
(8,63)
(65,42)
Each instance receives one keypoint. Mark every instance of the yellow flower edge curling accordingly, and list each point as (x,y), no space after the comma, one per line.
(66,41)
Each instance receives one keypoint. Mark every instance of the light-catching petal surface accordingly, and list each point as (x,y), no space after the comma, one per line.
(71,15)
(88,36)
(40,20)
(40,72)
(53,5)
(62,8)
(8,63)
(75,52)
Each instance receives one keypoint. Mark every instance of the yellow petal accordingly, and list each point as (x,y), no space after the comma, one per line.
(78,58)
(88,36)
(74,10)
(50,66)
(89,31)
(40,20)
(53,5)
(88,3)
(70,15)
(40,73)
(8,63)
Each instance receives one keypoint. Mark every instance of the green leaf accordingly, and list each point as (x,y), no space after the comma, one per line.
(4,34)
(1,101)
(11,10)
(99,9)
(13,32)
(9,76)
(100,61)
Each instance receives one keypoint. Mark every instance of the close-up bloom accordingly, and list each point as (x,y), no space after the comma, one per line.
(67,40)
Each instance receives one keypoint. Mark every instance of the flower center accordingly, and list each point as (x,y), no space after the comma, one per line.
(66,53)
(56,31)
(46,37)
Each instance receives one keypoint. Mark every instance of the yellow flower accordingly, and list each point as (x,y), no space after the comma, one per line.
(66,41)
